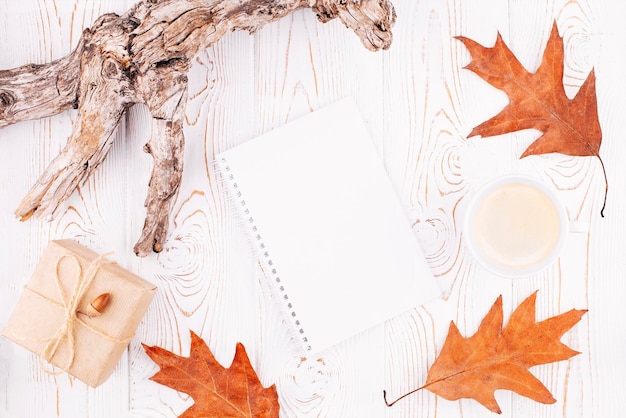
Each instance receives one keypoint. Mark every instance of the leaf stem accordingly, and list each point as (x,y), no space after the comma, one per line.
(390,404)
(606,185)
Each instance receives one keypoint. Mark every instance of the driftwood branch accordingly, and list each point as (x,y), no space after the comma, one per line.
(143,56)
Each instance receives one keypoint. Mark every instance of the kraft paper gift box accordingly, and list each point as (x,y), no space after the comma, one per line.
(67,279)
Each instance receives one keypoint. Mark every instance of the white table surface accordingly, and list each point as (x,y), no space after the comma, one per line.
(420,104)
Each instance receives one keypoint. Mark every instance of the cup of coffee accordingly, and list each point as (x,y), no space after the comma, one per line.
(515,226)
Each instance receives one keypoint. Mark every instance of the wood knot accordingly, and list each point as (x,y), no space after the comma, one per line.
(7,99)
(110,69)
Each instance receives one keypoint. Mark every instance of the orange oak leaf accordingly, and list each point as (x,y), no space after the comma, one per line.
(216,391)
(539,101)
(496,358)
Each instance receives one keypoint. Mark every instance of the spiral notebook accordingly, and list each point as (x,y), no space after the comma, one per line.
(328,227)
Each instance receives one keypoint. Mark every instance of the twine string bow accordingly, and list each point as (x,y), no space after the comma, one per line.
(70,304)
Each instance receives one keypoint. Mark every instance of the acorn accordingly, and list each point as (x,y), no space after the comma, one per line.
(97,306)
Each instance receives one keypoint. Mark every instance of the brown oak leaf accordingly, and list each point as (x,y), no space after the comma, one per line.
(496,358)
(539,101)
(216,391)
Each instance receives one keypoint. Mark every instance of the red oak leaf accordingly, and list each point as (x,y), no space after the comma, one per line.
(496,358)
(539,101)
(216,391)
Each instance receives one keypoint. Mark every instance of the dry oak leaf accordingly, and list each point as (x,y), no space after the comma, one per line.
(538,101)
(495,358)
(216,391)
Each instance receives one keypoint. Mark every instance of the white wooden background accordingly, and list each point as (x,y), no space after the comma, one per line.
(420,105)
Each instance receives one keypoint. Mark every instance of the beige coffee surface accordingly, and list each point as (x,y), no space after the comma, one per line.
(516,226)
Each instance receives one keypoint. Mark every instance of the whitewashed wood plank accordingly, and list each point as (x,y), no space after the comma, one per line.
(39,31)
(432,104)
(303,66)
(88,217)
(206,273)
(565,285)
(601,36)
(607,262)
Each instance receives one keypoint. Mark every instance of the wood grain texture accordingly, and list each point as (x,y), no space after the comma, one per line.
(419,104)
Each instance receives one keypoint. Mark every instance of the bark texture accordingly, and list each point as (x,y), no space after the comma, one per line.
(143,56)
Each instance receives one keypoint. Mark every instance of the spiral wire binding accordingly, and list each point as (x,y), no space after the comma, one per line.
(228,178)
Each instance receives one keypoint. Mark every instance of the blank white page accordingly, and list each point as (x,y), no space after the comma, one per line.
(329,227)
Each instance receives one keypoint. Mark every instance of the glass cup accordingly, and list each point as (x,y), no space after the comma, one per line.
(516,226)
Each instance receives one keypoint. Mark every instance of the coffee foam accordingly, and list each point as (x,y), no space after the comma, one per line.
(516,226)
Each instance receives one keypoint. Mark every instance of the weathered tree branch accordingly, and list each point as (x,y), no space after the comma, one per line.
(143,56)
